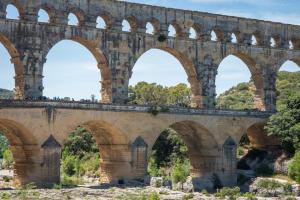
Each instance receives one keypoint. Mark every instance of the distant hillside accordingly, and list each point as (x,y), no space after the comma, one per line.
(6,94)
(242,95)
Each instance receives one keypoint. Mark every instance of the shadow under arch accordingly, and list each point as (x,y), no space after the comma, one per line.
(15,59)
(201,144)
(106,81)
(20,141)
(114,150)
(256,76)
(259,139)
(190,70)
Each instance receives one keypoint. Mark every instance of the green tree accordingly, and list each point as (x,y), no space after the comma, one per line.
(286,125)
(144,93)
(80,142)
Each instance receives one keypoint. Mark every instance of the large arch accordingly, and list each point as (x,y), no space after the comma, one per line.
(202,151)
(102,64)
(18,67)
(189,68)
(113,149)
(256,77)
(20,141)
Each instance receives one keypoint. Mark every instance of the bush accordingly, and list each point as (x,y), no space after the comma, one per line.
(180,171)
(69,165)
(6,178)
(232,193)
(154,196)
(8,159)
(294,168)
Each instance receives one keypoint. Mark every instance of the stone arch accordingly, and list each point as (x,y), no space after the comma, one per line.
(256,76)
(259,138)
(202,151)
(107,19)
(49,10)
(21,141)
(19,7)
(218,32)
(178,29)
(155,24)
(189,69)
(132,22)
(114,148)
(78,13)
(106,88)
(15,59)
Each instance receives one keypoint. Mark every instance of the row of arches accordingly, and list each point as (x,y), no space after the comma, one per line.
(85,69)
(129,24)
(202,148)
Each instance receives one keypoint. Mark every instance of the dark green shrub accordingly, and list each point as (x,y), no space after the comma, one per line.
(6,178)
(69,165)
(294,168)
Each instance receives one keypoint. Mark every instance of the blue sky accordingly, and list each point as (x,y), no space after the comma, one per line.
(72,71)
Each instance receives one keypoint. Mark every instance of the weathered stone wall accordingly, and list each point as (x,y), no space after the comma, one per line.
(38,130)
(116,52)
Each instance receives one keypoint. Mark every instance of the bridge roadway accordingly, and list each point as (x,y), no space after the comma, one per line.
(125,134)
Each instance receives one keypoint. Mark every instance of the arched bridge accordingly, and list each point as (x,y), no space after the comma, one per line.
(29,41)
(125,135)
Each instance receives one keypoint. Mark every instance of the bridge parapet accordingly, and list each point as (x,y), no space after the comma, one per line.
(132,108)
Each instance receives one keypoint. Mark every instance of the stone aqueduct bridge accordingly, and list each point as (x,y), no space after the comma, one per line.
(29,42)
(125,136)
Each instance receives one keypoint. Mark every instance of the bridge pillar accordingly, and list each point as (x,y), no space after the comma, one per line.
(27,165)
(115,163)
(207,71)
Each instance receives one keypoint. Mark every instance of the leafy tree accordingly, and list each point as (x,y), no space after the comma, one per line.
(286,125)
(80,142)
(152,94)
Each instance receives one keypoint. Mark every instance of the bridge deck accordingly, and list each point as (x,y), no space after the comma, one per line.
(131,108)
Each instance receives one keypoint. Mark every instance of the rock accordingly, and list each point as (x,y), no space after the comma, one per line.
(188,186)
(281,164)
(296,189)
(156,182)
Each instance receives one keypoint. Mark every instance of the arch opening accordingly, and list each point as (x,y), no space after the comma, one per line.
(150,28)
(255,146)
(172,31)
(126,26)
(43,16)
(86,72)
(101,24)
(213,36)
(193,33)
(183,150)
(234,38)
(166,64)
(73,20)
(12,12)
(254,40)
(239,84)
(287,84)
(101,149)
(7,74)
(273,42)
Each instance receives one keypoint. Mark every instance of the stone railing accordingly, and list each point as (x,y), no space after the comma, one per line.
(130,108)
